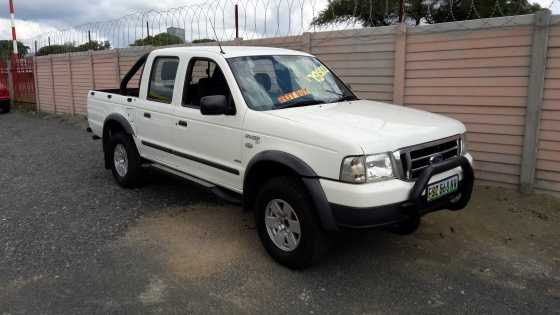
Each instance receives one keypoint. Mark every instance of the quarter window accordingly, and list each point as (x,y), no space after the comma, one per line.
(162,79)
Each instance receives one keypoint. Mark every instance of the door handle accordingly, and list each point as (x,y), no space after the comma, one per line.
(147,115)
(183,123)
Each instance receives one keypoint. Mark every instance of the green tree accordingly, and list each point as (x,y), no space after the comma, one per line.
(6,49)
(203,40)
(55,49)
(71,47)
(160,39)
(94,45)
(380,13)
(446,11)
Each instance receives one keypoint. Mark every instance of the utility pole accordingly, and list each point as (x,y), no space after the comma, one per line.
(12,73)
(13,22)
(236,21)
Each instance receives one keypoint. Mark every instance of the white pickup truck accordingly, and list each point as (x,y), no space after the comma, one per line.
(277,130)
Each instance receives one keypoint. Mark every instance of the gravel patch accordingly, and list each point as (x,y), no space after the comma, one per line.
(72,241)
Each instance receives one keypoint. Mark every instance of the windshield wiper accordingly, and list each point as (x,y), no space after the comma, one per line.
(342,97)
(303,103)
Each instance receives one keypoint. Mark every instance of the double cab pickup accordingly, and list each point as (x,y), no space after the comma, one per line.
(278,131)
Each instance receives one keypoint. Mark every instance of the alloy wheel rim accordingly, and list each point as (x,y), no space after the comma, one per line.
(121,160)
(283,225)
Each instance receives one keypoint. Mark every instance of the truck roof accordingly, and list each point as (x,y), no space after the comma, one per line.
(230,51)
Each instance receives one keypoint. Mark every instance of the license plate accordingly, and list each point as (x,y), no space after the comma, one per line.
(443,187)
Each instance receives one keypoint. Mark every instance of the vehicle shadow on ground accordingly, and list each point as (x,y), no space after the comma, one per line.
(206,204)
(488,221)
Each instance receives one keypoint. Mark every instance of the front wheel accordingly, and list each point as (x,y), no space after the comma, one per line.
(287,224)
(125,161)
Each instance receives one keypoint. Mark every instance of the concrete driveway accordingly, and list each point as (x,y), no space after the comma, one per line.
(73,242)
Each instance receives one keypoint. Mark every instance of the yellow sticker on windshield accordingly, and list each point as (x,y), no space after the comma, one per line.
(293,95)
(318,74)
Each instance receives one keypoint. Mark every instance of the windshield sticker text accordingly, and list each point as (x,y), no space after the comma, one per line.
(293,95)
(318,74)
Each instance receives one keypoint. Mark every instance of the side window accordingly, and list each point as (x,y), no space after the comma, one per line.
(204,78)
(162,79)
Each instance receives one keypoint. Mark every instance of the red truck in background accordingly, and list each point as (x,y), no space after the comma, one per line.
(4,98)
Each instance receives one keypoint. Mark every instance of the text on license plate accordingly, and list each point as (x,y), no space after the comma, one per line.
(443,187)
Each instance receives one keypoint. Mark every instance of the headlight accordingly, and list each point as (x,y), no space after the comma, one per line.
(369,168)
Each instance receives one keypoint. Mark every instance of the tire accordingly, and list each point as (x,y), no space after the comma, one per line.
(126,163)
(405,227)
(288,195)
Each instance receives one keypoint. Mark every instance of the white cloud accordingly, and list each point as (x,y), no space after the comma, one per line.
(24,29)
(550,4)
(42,16)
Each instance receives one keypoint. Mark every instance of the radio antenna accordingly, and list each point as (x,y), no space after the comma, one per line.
(216,36)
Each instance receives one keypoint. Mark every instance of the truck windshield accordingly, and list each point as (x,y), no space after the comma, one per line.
(276,82)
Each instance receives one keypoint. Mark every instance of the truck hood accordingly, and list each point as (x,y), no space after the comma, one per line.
(374,126)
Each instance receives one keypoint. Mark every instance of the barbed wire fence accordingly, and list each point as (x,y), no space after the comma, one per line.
(255,19)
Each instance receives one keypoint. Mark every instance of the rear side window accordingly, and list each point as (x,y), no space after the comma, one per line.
(162,79)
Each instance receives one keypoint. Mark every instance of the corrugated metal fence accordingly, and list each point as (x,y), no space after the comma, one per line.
(476,71)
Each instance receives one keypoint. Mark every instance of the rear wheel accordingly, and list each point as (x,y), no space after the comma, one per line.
(287,224)
(125,160)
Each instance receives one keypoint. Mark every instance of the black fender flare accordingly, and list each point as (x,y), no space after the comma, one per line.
(121,121)
(308,176)
(111,120)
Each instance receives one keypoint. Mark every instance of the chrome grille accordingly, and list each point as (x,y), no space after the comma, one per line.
(416,158)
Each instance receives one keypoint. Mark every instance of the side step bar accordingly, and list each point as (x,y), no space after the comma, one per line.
(183,175)
(224,194)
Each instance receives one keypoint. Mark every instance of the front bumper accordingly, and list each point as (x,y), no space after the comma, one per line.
(394,202)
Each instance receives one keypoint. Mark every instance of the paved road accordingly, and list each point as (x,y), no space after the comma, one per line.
(73,242)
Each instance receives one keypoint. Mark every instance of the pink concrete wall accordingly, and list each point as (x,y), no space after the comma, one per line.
(479,77)
(548,156)
(474,71)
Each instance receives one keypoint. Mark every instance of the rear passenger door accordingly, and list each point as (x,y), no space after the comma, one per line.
(154,117)
(211,144)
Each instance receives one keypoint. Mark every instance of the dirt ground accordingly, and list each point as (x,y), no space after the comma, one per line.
(504,239)
(73,242)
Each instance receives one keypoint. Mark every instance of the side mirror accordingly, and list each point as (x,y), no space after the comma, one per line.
(213,105)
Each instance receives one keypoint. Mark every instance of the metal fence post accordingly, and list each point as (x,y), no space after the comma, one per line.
(91,67)
(36,82)
(537,68)
(400,64)
(11,78)
(53,90)
(307,44)
(71,78)
(117,58)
